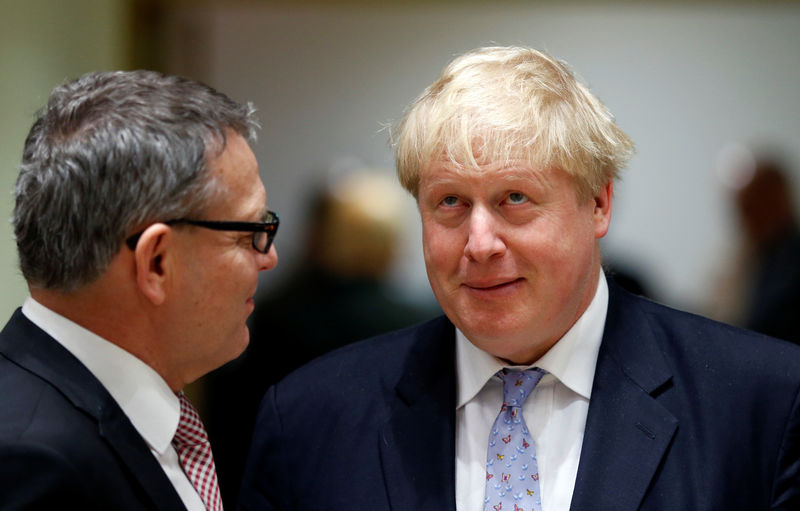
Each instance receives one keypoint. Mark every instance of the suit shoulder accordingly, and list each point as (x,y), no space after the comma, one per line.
(45,444)
(377,362)
(32,408)
(692,323)
(723,344)
(383,351)
(35,475)
(21,398)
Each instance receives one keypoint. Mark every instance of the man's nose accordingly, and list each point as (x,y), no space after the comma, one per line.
(269,260)
(484,241)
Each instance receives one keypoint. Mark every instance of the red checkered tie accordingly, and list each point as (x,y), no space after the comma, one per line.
(194,451)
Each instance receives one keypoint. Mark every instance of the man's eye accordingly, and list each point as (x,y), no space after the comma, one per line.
(450,201)
(517,198)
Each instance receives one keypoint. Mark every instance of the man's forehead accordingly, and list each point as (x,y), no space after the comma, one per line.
(510,170)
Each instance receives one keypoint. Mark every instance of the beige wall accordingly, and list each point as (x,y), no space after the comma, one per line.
(42,43)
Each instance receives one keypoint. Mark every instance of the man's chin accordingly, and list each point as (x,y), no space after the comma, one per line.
(507,344)
(238,346)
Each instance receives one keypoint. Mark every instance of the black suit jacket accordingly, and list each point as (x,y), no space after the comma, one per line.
(685,414)
(64,441)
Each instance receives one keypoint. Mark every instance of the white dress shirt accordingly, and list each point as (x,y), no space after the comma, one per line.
(142,394)
(555,412)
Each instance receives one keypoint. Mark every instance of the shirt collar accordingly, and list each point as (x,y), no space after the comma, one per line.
(142,394)
(571,360)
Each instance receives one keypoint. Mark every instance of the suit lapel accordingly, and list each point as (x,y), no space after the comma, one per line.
(134,452)
(30,347)
(417,444)
(627,430)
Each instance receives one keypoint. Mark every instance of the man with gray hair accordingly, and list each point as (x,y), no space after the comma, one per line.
(141,225)
(545,386)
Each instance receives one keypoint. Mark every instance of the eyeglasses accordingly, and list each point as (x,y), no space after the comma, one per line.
(263,232)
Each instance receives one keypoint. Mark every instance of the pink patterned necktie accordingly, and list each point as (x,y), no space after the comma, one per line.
(194,452)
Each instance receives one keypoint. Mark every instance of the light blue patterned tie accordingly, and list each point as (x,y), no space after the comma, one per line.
(512,472)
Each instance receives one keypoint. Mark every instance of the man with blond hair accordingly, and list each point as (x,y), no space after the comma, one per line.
(545,386)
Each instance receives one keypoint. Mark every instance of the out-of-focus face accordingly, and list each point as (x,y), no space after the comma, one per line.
(218,270)
(511,253)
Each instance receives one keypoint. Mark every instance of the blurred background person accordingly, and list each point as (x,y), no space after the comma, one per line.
(340,293)
(760,289)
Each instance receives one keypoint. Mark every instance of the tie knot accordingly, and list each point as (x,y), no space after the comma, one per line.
(517,385)
(190,427)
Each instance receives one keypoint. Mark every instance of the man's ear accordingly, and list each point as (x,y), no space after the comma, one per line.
(602,209)
(151,262)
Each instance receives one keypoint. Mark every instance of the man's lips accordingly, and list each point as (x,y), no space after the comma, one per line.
(491,284)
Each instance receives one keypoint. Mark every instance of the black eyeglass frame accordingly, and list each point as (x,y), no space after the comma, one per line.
(270,227)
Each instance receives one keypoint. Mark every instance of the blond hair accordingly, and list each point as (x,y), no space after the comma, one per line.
(498,104)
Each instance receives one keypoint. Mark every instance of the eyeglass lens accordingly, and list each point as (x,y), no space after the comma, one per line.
(261,241)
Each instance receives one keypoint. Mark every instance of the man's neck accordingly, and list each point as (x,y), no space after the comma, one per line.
(113,314)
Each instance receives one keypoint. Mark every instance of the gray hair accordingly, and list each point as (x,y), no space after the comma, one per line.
(110,153)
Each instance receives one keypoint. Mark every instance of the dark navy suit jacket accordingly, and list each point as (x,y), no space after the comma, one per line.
(64,441)
(685,414)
